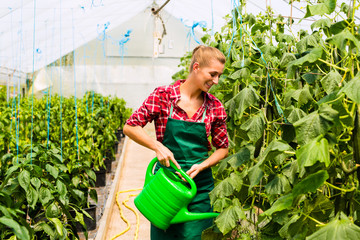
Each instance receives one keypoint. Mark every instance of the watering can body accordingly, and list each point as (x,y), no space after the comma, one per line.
(165,197)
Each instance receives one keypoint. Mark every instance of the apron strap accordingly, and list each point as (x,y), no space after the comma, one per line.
(203,116)
(171,111)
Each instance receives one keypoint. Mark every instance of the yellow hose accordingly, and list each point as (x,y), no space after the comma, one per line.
(130,208)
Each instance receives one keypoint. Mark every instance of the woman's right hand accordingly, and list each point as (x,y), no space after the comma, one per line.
(164,155)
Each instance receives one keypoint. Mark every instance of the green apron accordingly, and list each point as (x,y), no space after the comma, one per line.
(188,142)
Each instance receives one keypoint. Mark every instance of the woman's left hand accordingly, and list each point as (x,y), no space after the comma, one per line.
(194,170)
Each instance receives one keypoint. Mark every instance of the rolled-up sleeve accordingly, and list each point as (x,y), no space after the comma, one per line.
(218,129)
(147,112)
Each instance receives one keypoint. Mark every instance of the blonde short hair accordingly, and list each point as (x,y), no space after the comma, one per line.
(204,54)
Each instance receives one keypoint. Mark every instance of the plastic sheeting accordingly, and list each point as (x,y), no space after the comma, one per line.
(34,34)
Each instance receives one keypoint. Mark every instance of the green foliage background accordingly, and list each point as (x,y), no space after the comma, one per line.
(293,105)
(50,149)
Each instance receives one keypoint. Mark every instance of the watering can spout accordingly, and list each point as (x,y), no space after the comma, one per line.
(184,216)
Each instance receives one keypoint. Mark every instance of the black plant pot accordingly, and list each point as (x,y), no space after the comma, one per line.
(119,134)
(108,164)
(116,146)
(109,155)
(100,178)
(90,223)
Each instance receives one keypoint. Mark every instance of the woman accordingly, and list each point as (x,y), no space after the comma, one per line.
(185,115)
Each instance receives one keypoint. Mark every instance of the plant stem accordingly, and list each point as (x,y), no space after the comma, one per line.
(289,152)
(332,65)
(313,219)
(340,189)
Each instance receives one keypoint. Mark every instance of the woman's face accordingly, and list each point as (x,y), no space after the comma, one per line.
(208,75)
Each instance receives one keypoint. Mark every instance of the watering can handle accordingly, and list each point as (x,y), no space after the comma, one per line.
(150,175)
(193,189)
(149,171)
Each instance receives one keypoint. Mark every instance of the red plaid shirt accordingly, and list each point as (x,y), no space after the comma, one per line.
(157,107)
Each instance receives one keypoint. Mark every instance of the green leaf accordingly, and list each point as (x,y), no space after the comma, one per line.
(241,63)
(284,202)
(91,174)
(10,171)
(58,156)
(250,18)
(340,228)
(327,7)
(52,170)
(259,27)
(223,189)
(341,40)
(311,183)
(281,37)
(320,208)
(254,126)
(278,185)
(331,81)
(315,150)
(46,228)
(239,158)
(288,227)
(236,181)
(345,8)
(58,226)
(93,195)
(294,114)
(286,58)
(310,77)
(221,203)
(338,27)
(306,43)
(238,104)
(61,187)
(235,75)
(303,95)
(229,218)
(255,175)
(311,57)
(45,195)
(79,194)
(75,180)
(315,124)
(20,231)
(321,23)
(24,179)
(291,171)
(351,89)
(53,211)
(5,211)
(79,217)
(36,183)
(275,148)
(328,98)
(242,73)
(32,197)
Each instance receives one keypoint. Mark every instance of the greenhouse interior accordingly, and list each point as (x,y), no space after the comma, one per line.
(112,111)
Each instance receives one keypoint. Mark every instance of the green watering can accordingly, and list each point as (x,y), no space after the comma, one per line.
(165,197)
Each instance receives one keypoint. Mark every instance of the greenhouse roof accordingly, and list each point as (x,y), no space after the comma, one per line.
(35,33)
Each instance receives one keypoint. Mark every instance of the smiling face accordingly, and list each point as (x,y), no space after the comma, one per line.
(208,75)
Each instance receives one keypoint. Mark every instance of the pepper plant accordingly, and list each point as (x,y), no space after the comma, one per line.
(49,149)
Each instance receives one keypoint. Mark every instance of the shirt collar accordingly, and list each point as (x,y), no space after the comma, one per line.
(175,93)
